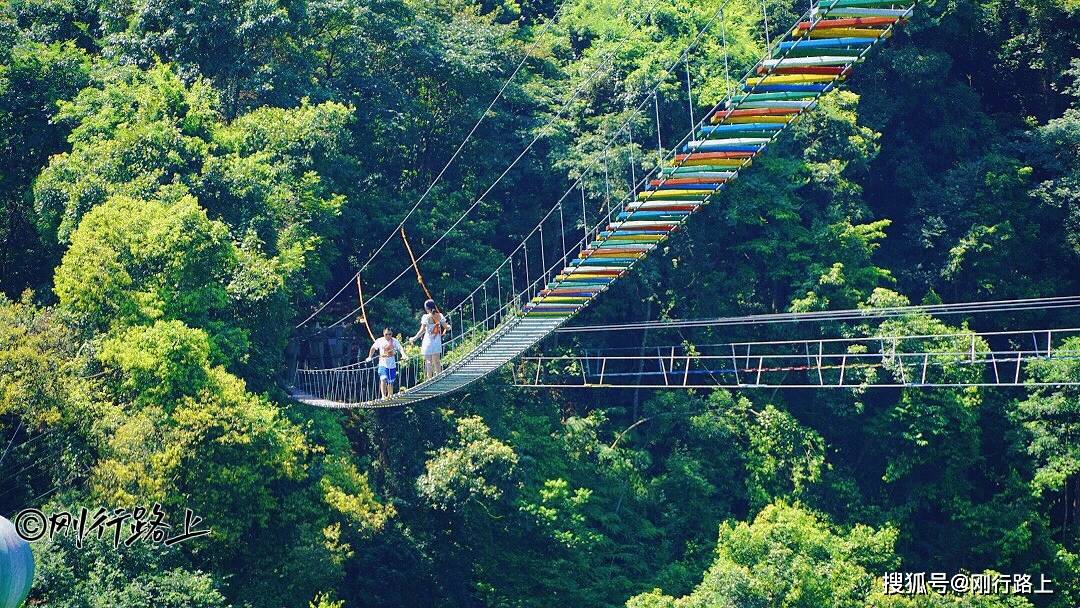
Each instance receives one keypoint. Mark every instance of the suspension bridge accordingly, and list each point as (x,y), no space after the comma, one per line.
(1002,358)
(567,261)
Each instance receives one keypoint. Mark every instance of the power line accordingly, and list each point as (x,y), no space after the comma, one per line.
(34,438)
(50,452)
(10,483)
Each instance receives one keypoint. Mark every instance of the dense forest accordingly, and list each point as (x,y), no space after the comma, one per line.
(183,181)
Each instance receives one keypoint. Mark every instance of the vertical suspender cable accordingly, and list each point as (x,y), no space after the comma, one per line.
(689,95)
(562,229)
(543,254)
(607,183)
(528,275)
(727,72)
(416,267)
(656,107)
(584,221)
(765,11)
(363,313)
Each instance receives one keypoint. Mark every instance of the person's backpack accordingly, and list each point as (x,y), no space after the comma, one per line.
(436,319)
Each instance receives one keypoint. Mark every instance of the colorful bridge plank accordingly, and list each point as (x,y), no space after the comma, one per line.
(815,56)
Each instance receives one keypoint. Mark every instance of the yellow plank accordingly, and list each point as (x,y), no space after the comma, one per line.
(655,238)
(599,254)
(790,79)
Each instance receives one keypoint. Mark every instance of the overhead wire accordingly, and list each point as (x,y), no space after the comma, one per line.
(52,452)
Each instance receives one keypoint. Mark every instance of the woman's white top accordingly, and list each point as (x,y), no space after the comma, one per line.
(432,344)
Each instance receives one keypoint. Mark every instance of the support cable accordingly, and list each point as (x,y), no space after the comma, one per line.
(416,267)
(656,108)
(727,71)
(690,96)
(653,94)
(765,11)
(1033,304)
(488,191)
(363,312)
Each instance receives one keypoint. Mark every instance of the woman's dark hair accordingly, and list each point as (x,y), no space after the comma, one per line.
(429,306)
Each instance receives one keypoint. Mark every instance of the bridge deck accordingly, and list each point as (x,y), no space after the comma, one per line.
(506,343)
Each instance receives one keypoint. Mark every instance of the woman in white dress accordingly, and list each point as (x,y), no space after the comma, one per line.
(432,327)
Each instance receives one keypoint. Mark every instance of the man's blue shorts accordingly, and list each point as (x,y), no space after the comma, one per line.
(388,374)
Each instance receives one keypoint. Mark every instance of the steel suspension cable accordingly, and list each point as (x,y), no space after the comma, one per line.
(1031,304)
(477,202)
(654,93)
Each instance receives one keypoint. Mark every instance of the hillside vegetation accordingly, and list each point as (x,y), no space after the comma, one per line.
(185,180)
